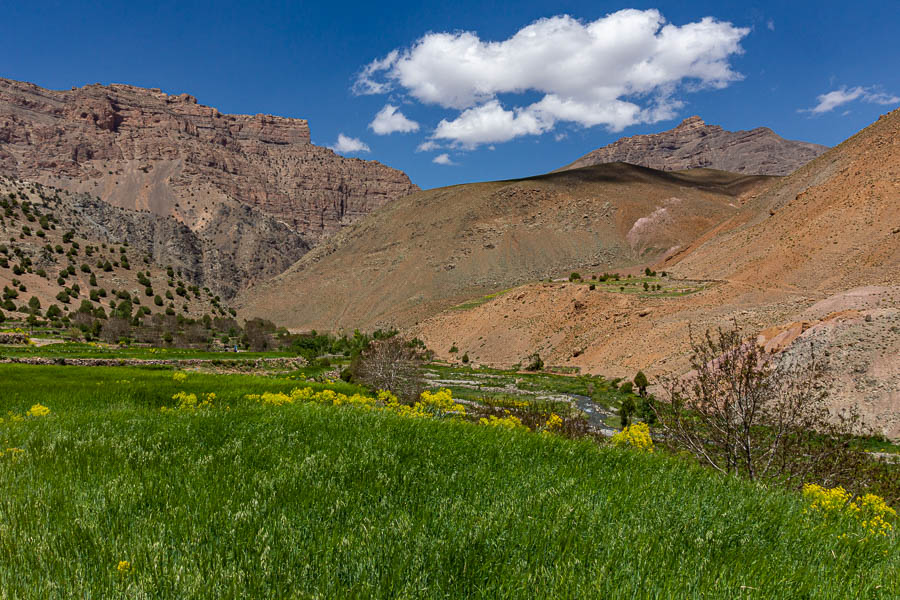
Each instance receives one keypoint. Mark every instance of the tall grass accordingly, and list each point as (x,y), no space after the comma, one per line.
(309,501)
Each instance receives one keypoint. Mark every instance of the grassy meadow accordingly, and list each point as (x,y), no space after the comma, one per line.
(108,496)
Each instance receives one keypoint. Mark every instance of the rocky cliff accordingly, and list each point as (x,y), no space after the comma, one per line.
(144,149)
(237,249)
(695,144)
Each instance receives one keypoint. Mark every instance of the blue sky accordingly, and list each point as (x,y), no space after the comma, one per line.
(496,108)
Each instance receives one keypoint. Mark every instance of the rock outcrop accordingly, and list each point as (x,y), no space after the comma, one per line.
(144,149)
(694,144)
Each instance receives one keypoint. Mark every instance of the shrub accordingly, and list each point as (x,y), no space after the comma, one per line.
(390,365)
(634,436)
(535,362)
(575,276)
(745,412)
(626,408)
(641,383)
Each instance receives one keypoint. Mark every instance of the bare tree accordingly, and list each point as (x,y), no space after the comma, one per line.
(391,364)
(745,412)
(115,329)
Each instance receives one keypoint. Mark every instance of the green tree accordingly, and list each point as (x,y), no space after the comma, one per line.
(626,410)
(641,383)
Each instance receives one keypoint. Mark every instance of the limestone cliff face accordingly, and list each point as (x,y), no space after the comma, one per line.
(146,150)
(694,144)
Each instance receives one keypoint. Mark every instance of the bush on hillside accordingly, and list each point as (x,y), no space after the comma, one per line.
(744,412)
(535,362)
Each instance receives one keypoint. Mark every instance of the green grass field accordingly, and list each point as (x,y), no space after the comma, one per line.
(88,350)
(312,501)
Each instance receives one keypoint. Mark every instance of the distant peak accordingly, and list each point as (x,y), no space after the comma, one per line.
(692,123)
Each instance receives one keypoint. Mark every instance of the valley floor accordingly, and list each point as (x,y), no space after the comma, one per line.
(107,495)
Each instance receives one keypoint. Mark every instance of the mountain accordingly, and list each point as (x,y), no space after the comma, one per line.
(431,250)
(832,225)
(814,259)
(144,149)
(694,144)
(254,189)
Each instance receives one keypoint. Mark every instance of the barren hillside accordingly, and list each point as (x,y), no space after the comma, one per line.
(814,258)
(437,248)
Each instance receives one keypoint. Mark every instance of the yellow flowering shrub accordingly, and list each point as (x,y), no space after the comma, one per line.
(870,511)
(190,402)
(38,410)
(509,421)
(270,398)
(554,423)
(636,435)
(179,377)
(441,403)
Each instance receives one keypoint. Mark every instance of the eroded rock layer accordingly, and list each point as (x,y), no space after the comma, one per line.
(144,149)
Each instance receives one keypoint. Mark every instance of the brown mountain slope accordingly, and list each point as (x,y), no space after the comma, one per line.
(797,262)
(694,144)
(143,149)
(834,224)
(437,248)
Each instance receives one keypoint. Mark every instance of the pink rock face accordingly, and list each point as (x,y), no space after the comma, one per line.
(694,144)
(113,136)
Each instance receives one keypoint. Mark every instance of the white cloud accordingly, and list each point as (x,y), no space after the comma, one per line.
(428,146)
(490,122)
(881,98)
(390,120)
(364,83)
(771,24)
(843,95)
(443,159)
(349,145)
(617,71)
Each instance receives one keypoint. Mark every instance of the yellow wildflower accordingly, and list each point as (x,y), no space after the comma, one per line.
(38,410)
(179,376)
(554,422)
(870,511)
(441,403)
(508,421)
(12,453)
(635,436)
(123,567)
